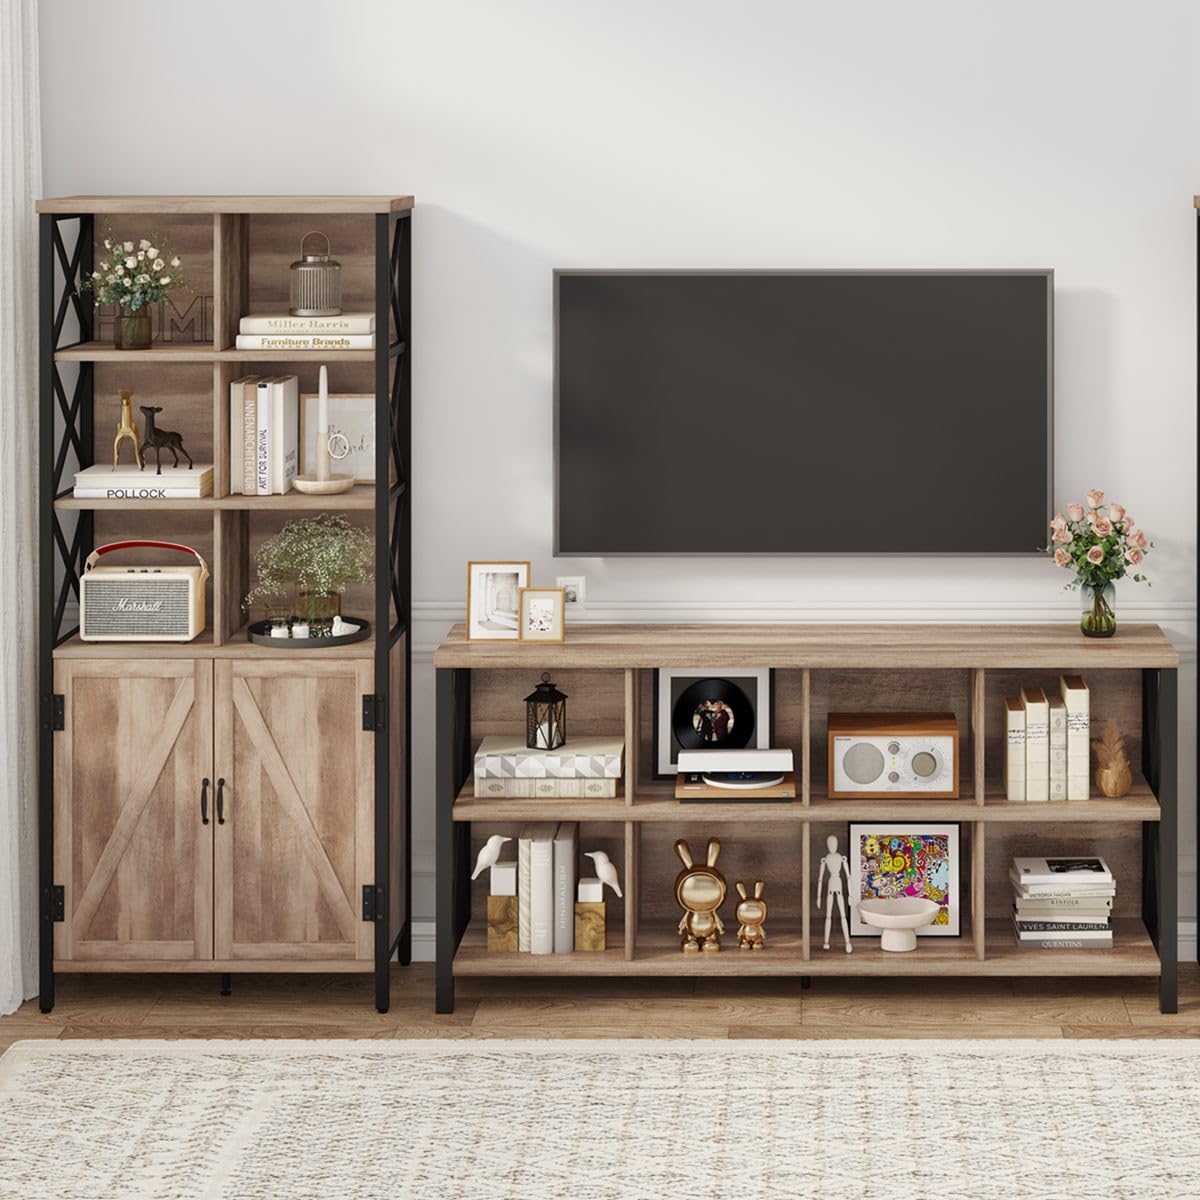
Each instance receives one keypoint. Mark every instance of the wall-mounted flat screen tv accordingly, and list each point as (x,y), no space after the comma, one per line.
(803,412)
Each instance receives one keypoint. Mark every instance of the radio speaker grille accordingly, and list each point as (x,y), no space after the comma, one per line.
(124,607)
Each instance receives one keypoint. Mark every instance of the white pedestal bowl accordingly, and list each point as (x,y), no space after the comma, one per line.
(898,920)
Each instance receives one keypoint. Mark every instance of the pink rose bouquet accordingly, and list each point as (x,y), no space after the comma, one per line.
(1097,541)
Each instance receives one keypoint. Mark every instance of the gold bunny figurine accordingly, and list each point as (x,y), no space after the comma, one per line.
(752,913)
(700,891)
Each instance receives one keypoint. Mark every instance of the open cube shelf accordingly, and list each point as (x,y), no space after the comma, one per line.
(607,672)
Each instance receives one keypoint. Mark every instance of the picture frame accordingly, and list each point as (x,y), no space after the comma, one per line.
(745,696)
(574,592)
(351,414)
(892,859)
(493,600)
(542,612)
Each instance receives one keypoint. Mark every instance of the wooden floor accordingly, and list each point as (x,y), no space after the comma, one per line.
(290,1006)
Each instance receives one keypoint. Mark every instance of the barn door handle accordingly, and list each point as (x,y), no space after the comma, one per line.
(220,801)
(204,802)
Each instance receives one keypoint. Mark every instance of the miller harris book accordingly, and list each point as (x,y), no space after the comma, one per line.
(284,324)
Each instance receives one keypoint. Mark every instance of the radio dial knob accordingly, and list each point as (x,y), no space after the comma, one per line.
(893,777)
(893,747)
(924,764)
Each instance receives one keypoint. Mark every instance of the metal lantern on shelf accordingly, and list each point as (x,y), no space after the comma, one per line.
(316,287)
(545,717)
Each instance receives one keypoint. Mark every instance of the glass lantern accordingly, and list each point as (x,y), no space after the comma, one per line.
(545,717)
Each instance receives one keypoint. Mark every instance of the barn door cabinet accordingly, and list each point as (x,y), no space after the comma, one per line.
(294,855)
(201,823)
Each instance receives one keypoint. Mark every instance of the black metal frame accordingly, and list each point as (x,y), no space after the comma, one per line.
(61,271)
(453,838)
(393,575)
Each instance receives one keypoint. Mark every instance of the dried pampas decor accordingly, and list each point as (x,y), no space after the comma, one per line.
(1113,774)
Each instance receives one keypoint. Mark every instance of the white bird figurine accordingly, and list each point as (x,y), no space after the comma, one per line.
(605,871)
(489,855)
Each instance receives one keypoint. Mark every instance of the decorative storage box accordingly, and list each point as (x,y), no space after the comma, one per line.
(141,604)
(590,766)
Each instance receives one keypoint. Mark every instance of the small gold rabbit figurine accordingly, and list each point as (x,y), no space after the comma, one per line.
(700,891)
(752,913)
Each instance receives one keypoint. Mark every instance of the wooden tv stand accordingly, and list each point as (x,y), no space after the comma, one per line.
(607,673)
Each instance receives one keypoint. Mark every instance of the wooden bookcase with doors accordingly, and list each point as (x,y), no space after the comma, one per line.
(216,805)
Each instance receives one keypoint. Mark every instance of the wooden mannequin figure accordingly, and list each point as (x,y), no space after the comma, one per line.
(835,890)
(127,429)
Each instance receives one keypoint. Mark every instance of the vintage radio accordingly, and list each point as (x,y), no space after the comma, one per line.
(893,754)
(141,604)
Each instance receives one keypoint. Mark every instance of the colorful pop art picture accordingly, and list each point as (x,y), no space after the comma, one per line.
(900,859)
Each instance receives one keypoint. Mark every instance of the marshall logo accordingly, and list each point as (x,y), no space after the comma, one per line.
(125,605)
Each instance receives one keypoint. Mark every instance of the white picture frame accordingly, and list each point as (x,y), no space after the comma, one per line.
(494,600)
(865,863)
(758,683)
(351,414)
(574,592)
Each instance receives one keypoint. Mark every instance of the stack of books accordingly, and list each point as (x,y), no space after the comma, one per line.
(547,869)
(128,483)
(1062,903)
(264,434)
(1047,752)
(582,768)
(281,331)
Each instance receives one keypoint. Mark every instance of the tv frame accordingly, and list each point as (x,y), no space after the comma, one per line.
(1045,272)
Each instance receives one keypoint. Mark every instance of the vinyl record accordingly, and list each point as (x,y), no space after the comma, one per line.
(713,714)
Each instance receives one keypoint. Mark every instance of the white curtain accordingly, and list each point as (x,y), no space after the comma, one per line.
(20,186)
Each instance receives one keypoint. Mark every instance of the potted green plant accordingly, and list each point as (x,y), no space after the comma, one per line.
(1100,544)
(314,558)
(132,276)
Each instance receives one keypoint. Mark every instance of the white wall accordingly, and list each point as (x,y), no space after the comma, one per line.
(847,133)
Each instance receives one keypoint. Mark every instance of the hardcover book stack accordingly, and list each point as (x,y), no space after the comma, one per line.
(1047,752)
(128,483)
(1062,903)
(584,768)
(281,331)
(264,434)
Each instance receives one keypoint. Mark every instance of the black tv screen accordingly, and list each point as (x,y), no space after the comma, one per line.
(783,412)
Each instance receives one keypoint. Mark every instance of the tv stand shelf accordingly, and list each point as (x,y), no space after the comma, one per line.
(607,673)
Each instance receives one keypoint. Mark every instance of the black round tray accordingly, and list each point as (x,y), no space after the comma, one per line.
(260,632)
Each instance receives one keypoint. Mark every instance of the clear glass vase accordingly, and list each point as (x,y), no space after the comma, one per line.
(317,610)
(1098,609)
(131,328)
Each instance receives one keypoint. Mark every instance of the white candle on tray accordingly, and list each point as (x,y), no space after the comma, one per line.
(323,427)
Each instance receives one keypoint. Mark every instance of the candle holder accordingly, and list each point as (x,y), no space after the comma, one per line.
(335,446)
(545,717)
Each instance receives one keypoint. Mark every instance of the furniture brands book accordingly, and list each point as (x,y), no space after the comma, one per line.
(346,341)
(566,858)
(1077,698)
(284,324)
(1014,748)
(1058,747)
(541,888)
(1037,744)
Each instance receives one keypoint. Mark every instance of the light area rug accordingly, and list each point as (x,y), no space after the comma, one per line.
(596,1120)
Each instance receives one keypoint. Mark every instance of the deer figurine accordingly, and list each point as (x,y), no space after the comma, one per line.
(156,439)
(127,430)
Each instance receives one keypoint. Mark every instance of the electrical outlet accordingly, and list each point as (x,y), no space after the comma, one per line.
(575,595)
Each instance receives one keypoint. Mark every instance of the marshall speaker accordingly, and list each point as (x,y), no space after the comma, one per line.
(141,604)
(893,754)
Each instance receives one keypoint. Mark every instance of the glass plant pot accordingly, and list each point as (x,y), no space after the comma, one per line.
(131,329)
(317,610)
(1098,616)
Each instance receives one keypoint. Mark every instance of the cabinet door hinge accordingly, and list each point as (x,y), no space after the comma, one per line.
(374,714)
(58,712)
(56,902)
(374,902)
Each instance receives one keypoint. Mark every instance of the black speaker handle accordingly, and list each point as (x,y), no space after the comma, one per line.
(220,801)
(204,802)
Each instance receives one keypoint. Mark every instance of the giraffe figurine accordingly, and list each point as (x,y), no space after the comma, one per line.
(127,429)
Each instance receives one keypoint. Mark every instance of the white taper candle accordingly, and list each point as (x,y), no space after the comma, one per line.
(323,427)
